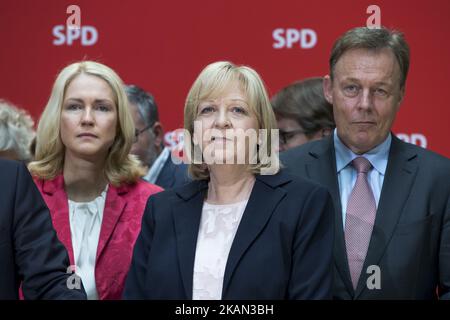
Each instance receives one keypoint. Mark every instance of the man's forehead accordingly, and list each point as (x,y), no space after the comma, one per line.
(378,65)
(137,115)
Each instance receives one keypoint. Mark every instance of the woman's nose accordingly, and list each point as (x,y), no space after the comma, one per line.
(222,120)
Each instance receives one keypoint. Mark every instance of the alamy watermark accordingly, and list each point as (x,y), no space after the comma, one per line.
(231,146)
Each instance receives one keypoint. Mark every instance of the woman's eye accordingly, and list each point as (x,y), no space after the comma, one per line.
(103,108)
(239,110)
(207,109)
(74,107)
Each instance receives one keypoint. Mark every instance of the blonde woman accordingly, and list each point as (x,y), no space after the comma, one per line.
(236,232)
(89,181)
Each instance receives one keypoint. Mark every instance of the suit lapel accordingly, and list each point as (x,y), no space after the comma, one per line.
(56,199)
(399,178)
(260,206)
(115,205)
(187,212)
(166,177)
(322,169)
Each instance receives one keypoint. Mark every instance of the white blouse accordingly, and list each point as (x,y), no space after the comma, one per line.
(218,226)
(85,224)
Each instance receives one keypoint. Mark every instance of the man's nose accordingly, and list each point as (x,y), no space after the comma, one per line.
(366,100)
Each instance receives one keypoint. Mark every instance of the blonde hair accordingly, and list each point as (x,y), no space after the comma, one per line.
(16,131)
(213,81)
(120,166)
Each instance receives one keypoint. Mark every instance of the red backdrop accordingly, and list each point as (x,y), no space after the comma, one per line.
(163,45)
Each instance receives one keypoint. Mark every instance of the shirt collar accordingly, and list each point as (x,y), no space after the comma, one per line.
(156,168)
(377,156)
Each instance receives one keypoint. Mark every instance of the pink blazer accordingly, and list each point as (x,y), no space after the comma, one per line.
(121,225)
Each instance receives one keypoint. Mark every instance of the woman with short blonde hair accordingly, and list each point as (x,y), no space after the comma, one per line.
(211,83)
(238,231)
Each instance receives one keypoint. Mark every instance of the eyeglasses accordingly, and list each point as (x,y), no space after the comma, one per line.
(137,132)
(285,136)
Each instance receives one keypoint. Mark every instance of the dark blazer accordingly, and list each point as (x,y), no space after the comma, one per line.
(282,248)
(172,175)
(30,251)
(411,237)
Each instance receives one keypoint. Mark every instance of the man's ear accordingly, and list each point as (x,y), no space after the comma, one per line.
(328,89)
(400,99)
(159,135)
(326,132)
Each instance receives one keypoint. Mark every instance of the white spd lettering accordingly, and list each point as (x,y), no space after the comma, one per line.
(287,38)
(414,138)
(87,35)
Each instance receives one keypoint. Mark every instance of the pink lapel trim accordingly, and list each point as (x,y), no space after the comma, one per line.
(59,208)
(114,207)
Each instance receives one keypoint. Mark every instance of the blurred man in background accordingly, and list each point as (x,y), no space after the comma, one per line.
(149,138)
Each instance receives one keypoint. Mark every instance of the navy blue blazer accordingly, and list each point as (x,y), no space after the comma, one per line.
(282,248)
(30,251)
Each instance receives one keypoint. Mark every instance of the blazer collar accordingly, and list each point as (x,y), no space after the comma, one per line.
(187,211)
(322,168)
(190,190)
(52,186)
(115,204)
(263,200)
(57,202)
(114,207)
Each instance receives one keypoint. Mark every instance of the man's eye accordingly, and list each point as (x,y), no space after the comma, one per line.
(351,89)
(381,92)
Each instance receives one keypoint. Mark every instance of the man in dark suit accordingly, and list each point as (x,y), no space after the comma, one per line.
(30,252)
(391,197)
(148,146)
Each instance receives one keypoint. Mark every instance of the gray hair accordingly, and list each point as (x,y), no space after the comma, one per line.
(373,39)
(148,110)
(16,131)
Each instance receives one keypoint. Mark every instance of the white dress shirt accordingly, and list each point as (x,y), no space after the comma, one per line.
(378,157)
(218,226)
(85,224)
(156,168)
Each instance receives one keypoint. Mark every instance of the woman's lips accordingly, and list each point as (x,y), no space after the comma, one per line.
(86,134)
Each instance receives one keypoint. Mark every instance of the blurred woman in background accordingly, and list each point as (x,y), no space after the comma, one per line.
(16,133)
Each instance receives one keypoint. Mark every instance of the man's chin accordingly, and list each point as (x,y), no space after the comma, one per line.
(363,145)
